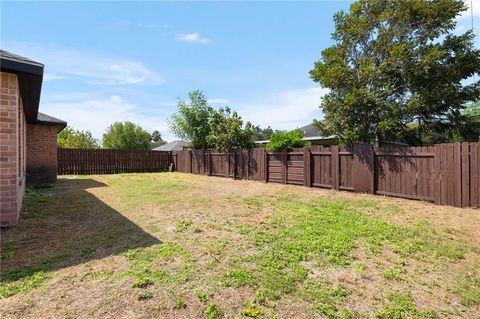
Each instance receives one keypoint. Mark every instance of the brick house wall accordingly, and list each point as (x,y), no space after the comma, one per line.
(42,153)
(12,150)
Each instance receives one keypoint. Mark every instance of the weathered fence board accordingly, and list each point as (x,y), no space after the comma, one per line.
(445,173)
(102,161)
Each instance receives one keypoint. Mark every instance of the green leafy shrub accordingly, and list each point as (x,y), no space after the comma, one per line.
(286,140)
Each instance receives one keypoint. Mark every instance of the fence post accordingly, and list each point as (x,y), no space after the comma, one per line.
(363,166)
(307,167)
(209,163)
(284,166)
(437,174)
(335,164)
(465,184)
(227,163)
(457,177)
(190,160)
(265,156)
(234,164)
(248,163)
(474,174)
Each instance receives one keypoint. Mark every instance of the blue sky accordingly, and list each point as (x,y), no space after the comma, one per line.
(118,61)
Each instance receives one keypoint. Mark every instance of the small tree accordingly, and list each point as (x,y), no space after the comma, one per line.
(262,133)
(126,136)
(228,132)
(71,138)
(156,136)
(192,122)
(286,140)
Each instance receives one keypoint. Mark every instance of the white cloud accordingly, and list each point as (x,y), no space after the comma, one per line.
(96,114)
(85,66)
(52,77)
(193,38)
(284,110)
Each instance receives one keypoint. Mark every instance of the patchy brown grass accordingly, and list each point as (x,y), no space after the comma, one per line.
(174,245)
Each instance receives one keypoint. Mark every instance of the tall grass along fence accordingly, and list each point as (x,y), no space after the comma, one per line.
(444,174)
(105,161)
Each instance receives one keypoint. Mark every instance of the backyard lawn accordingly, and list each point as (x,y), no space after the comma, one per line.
(173,245)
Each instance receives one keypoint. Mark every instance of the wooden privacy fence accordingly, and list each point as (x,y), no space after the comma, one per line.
(106,161)
(445,173)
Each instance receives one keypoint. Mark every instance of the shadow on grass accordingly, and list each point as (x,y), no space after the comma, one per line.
(65,226)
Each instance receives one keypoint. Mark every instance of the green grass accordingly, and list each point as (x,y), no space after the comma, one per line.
(143,265)
(182,225)
(359,268)
(144,295)
(324,296)
(7,249)
(401,306)
(326,233)
(397,272)
(468,288)
(33,281)
(253,310)
(212,311)
(101,275)
(237,278)
(136,190)
(35,202)
(23,279)
(202,296)
(180,303)
(142,282)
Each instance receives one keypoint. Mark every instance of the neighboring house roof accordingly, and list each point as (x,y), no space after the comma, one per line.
(30,77)
(46,119)
(156,144)
(172,146)
(309,131)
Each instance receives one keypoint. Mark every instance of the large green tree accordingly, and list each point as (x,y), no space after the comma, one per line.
(71,138)
(126,135)
(192,122)
(394,63)
(228,132)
